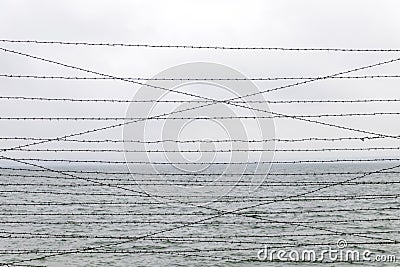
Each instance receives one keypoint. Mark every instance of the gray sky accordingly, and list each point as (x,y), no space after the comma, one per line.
(347,24)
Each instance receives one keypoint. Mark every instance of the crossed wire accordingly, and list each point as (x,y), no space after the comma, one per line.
(329,186)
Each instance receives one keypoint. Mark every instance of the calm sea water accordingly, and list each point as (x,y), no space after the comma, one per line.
(45,213)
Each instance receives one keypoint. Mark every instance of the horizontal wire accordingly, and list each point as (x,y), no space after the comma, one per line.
(231,183)
(200,118)
(201,46)
(205,223)
(196,101)
(192,79)
(173,253)
(181,182)
(192,213)
(186,237)
(229,198)
(127,251)
(187,174)
(297,199)
(361,138)
(209,163)
(208,151)
(180,240)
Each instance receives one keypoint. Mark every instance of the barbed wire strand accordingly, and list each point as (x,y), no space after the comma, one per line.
(202,46)
(271,245)
(224,199)
(47,77)
(230,183)
(198,118)
(104,203)
(189,174)
(202,223)
(307,139)
(9,234)
(108,150)
(206,163)
(291,211)
(306,101)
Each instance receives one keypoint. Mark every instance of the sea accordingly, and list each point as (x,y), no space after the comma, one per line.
(90,215)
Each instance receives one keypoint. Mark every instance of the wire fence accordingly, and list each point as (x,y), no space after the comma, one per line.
(87,190)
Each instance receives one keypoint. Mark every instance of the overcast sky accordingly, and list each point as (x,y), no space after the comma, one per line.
(344,24)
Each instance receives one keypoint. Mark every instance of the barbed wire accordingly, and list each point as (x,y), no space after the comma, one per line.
(306,101)
(97,246)
(199,118)
(226,198)
(366,236)
(208,163)
(181,240)
(202,46)
(258,202)
(271,245)
(201,183)
(307,139)
(73,176)
(174,253)
(216,101)
(191,213)
(47,77)
(208,151)
(187,237)
(202,223)
(252,205)
(30,164)
(385,169)
(187,174)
